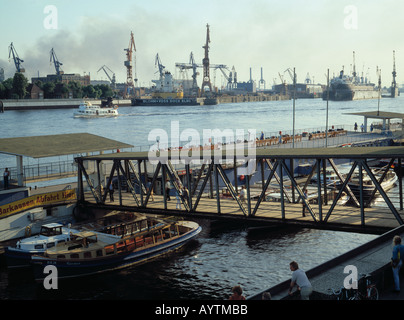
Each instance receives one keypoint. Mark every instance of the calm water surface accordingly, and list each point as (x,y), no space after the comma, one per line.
(221,256)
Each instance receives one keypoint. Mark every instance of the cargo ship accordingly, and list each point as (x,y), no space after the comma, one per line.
(166,92)
(346,88)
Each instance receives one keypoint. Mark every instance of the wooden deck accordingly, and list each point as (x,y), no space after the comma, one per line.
(376,219)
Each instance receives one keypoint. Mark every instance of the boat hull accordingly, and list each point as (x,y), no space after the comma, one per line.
(71,269)
(18,258)
(165,102)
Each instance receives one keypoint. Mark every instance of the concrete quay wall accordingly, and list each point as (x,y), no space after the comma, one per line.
(37,104)
(371,258)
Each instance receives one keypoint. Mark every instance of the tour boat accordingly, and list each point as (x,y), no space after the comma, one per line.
(88,110)
(50,234)
(92,252)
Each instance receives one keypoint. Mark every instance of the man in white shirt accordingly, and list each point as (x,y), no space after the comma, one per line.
(300,279)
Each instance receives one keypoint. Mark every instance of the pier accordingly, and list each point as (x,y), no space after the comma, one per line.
(220,200)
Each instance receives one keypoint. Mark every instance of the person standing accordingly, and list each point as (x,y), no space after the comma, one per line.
(111,192)
(300,279)
(6,177)
(168,188)
(397,261)
(243,195)
(303,203)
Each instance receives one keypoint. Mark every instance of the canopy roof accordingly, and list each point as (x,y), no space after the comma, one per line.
(379,114)
(57,145)
(271,153)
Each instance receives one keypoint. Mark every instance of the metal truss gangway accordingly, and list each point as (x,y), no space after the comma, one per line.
(210,187)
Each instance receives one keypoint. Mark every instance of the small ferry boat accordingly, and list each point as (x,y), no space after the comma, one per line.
(92,252)
(88,110)
(50,235)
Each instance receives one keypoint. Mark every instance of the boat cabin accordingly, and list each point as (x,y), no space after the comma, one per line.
(51,229)
(91,245)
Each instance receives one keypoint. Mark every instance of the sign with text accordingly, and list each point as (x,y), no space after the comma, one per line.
(37,201)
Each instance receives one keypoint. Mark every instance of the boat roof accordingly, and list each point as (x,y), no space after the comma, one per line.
(52,225)
(59,144)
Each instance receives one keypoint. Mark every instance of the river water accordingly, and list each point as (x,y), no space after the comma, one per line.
(222,255)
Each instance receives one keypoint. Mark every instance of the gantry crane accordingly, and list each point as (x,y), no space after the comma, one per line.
(113,80)
(128,64)
(194,66)
(56,62)
(16,58)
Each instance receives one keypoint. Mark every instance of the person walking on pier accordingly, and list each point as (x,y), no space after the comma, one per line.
(6,176)
(111,192)
(300,279)
(397,261)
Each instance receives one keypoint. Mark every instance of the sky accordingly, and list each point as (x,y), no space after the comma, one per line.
(312,36)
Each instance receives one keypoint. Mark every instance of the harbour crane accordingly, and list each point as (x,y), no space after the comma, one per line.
(159,65)
(394,91)
(262,81)
(194,71)
(16,58)
(113,80)
(206,77)
(56,62)
(284,85)
(129,67)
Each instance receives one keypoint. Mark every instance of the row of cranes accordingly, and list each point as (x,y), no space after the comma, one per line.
(12,52)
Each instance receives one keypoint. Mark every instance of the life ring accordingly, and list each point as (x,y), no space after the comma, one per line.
(27,231)
(242,177)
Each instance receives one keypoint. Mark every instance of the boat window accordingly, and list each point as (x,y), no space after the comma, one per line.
(50,245)
(99,253)
(87,254)
(61,256)
(38,246)
(109,249)
(74,256)
(121,246)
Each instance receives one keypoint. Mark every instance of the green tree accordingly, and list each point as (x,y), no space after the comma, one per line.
(106,90)
(20,84)
(8,85)
(2,91)
(48,90)
(89,91)
(76,88)
(61,90)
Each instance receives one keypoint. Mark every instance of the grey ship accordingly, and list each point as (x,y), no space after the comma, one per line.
(345,88)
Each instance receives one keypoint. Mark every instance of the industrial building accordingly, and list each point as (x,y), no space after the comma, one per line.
(64,78)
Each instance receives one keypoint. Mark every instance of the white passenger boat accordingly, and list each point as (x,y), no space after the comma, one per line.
(88,110)
(50,235)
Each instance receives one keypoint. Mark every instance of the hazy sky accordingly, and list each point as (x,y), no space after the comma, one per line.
(311,36)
